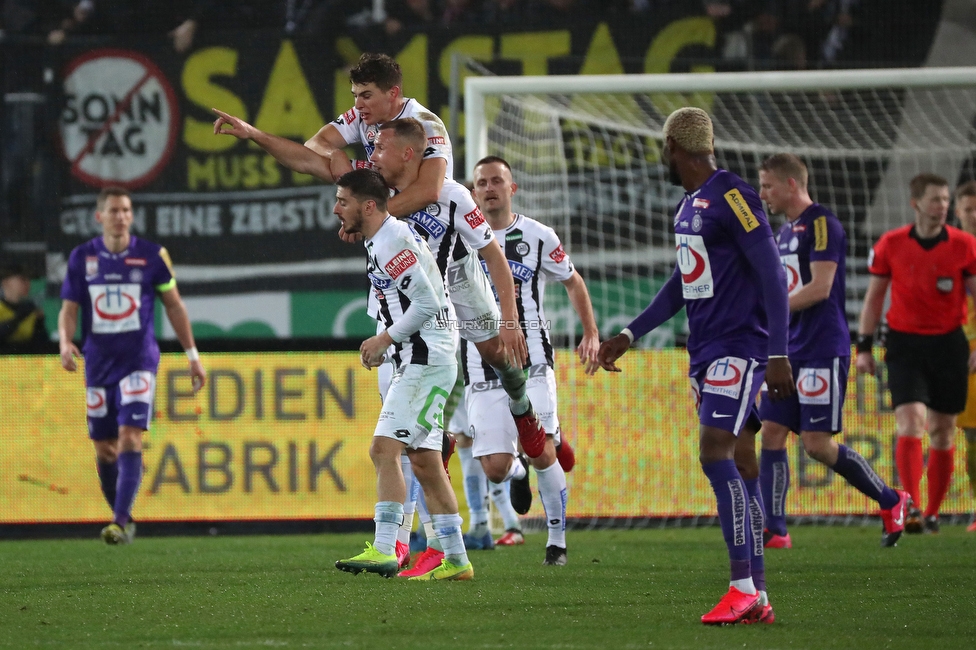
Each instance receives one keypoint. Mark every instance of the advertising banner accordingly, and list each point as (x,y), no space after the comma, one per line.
(286,436)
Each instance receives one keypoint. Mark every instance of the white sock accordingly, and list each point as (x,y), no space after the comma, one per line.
(474,491)
(424,515)
(388,516)
(553,491)
(501,497)
(448,529)
(403,535)
(763,598)
(517,470)
(745,585)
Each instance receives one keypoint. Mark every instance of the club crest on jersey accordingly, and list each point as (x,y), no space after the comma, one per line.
(371,134)
(701,203)
(522,248)
(558,255)
(135,275)
(434,209)
(696,271)
(430,225)
(91,266)
(794,244)
(791,266)
(813,385)
(474,218)
(400,263)
(724,377)
(696,221)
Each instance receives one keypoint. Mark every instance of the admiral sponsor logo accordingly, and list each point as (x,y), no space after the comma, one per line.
(349,116)
(431,226)
(474,218)
(701,203)
(741,209)
(820,234)
(437,139)
(400,263)
(558,255)
(135,261)
(520,271)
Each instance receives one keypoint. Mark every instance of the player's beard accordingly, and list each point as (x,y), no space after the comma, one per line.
(673,174)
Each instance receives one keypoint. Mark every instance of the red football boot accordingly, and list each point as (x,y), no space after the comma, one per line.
(735,607)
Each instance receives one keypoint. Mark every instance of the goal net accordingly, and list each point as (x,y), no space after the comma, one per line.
(585,152)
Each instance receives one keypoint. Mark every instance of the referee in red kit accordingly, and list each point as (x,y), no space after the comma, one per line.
(929,267)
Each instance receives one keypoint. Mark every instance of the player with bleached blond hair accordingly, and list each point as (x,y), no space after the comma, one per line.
(730,281)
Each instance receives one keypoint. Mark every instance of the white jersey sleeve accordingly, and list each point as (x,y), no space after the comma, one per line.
(470,224)
(349,126)
(556,264)
(406,271)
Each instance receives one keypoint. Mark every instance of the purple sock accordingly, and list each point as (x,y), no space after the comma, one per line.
(733,514)
(108,474)
(774,476)
(130,476)
(852,466)
(756,525)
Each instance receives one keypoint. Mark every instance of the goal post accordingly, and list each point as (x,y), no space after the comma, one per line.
(585,152)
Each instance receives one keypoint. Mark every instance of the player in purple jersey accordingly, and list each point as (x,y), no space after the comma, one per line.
(730,281)
(812,247)
(113,280)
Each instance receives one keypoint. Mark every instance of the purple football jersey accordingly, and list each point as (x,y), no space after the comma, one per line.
(819,331)
(714,227)
(117,294)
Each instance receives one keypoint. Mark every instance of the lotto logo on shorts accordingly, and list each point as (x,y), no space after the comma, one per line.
(474,218)
(97,405)
(137,387)
(400,263)
(724,377)
(813,385)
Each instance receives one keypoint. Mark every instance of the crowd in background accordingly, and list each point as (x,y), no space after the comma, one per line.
(785,34)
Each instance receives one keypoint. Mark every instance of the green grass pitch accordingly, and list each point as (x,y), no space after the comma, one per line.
(622,589)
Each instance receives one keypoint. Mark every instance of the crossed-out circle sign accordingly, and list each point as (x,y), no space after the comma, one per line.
(120,118)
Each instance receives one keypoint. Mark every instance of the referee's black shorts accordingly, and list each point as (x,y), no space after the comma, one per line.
(932,369)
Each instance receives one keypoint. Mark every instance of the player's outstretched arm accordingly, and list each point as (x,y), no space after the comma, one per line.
(326,141)
(870,317)
(510,331)
(67,325)
(668,302)
(290,154)
(180,320)
(588,348)
(422,192)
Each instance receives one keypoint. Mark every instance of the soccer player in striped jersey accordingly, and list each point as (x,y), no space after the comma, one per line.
(730,281)
(417,315)
(813,250)
(536,256)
